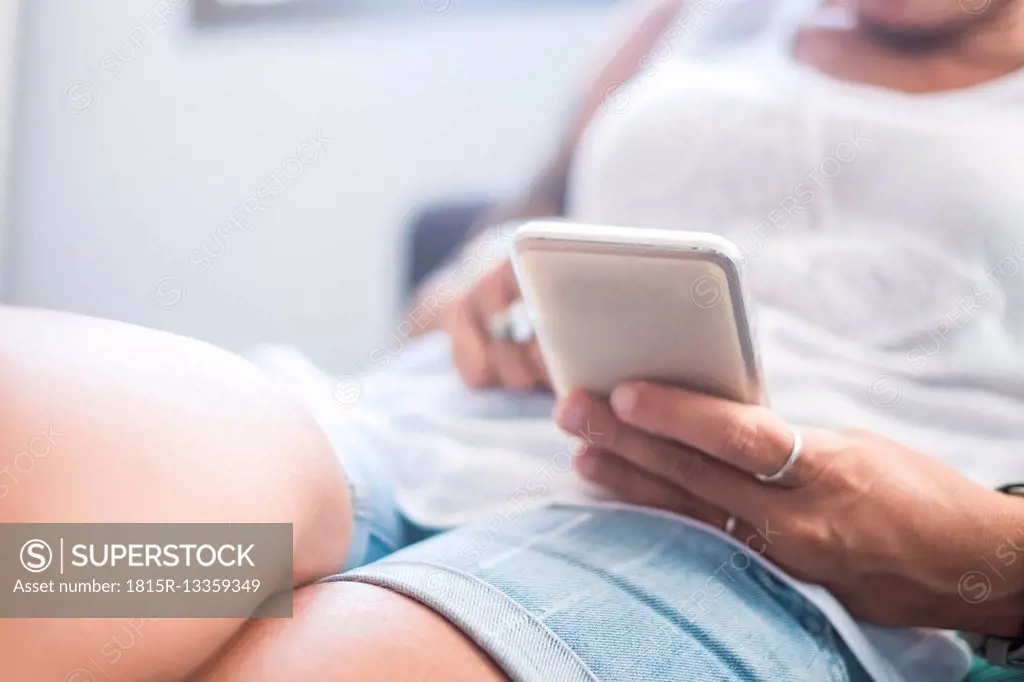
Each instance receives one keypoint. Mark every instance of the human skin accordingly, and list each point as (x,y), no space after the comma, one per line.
(145,418)
(901,539)
(148,427)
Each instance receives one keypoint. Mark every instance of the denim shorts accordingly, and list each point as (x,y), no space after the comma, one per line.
(378,528)
(598,593)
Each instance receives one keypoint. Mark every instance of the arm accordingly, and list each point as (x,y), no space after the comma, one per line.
(546,195)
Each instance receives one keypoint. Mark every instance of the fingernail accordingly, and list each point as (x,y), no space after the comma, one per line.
(624,399)
(571,415)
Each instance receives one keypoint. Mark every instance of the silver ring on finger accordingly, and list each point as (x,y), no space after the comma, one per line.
(511,325)
(499,327)
(794,457)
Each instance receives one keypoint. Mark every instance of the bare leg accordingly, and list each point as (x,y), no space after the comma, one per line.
(149,427)
(348,632)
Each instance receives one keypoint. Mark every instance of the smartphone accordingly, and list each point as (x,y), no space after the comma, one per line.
(610,304)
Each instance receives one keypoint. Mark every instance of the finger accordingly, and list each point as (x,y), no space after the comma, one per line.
(749,437)
(469,347)
(510,283)
(506,277)
(705,477)
(535,361)
(510,363)
(580,413)
(636,486)
(497,290)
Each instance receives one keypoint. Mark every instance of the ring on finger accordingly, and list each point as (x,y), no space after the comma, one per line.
(511,325)
(794,457)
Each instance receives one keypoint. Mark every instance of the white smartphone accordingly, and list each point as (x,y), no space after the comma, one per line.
(610,304)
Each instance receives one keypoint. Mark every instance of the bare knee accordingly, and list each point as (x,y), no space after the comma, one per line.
(129,424)
(104,422)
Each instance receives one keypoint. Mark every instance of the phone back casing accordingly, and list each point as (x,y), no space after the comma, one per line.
(668,308)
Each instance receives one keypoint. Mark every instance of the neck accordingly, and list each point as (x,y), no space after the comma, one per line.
(993,37)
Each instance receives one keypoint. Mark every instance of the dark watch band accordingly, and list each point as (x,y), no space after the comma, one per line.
(1004,652)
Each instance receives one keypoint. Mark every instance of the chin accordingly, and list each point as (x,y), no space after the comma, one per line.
(923,25)
(920,16)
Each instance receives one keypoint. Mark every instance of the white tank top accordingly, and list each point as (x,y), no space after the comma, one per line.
(863,210)
(883,232)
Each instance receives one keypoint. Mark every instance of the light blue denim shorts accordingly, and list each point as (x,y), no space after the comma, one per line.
(598,593)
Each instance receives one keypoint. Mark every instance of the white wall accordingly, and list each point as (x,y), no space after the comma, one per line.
(130,161)
(8,59)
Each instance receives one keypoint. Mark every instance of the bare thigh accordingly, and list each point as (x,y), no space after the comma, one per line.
(349,632)
(142,426)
